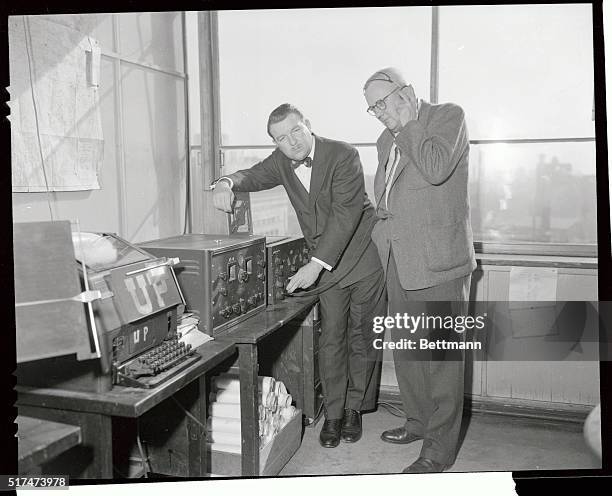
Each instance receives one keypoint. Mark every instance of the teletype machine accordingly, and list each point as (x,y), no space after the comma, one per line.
(132,299)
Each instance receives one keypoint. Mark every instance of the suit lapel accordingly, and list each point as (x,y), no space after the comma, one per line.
(320,166)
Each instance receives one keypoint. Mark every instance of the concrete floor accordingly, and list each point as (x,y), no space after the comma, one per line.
(488,443)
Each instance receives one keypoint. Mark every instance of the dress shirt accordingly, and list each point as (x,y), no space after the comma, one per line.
(304,173)
(393,160)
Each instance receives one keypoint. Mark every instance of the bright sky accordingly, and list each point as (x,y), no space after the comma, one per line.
(518,70)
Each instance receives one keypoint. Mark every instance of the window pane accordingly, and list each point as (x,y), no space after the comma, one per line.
(317,59)
(519,71)
(518,192)
(271,211)
(541,192)
(153,38)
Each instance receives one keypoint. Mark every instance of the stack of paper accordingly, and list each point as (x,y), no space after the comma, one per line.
(187,329)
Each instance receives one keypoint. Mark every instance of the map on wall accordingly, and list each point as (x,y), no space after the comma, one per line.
(56,127)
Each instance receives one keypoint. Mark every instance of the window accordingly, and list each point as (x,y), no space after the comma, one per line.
(522,73)
(536,192)
(317,59)
(271,210)
(524,76)
(519,71)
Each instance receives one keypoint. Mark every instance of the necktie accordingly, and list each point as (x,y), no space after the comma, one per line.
(307,162)
(390,166)
(390,172)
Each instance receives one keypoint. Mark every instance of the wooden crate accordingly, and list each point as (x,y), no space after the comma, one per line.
(272,457)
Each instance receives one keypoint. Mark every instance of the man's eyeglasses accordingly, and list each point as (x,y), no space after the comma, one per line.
(381,104)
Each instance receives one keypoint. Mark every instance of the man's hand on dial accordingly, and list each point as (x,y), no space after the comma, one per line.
(305,277)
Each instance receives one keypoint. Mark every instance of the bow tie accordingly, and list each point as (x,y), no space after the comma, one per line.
(306,162)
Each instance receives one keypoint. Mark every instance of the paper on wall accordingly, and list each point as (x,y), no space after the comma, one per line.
(56,124)
(532,287)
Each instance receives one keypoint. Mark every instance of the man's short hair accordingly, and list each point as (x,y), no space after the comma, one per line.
(281,112)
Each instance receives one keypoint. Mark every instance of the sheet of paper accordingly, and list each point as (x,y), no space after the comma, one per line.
(56,124)
(532,287)
(195,337)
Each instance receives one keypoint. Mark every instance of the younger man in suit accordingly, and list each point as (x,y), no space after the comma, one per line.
(324,181)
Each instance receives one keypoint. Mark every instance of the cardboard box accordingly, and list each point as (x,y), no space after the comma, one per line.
(272,457)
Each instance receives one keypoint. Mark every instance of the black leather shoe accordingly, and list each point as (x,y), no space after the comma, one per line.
(399,435)
(424,465)
(330,433)
(351,426)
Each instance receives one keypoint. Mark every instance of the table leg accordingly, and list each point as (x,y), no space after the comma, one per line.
(249,408)
(93,458)
(197,432)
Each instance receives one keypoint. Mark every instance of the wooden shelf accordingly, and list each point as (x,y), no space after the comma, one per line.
(42,440)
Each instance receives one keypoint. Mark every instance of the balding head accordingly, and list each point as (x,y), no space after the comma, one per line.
(388,74)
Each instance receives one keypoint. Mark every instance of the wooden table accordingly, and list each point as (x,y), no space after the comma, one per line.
(246,336)
(42,440)
(94,412)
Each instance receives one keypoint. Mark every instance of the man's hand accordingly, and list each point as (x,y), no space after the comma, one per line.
(305,277)
(407,108)
(223,197)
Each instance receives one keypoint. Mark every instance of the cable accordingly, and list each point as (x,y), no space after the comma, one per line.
(28,42)
(145,461)
(316,417)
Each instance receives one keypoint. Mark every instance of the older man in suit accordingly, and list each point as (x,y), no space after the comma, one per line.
(424,240)
(324,181)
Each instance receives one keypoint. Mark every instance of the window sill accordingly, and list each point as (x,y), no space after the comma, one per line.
(558,261)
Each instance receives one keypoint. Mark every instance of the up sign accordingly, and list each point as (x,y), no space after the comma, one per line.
(139,293)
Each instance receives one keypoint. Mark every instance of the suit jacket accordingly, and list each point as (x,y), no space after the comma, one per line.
(428,221)
(336,217)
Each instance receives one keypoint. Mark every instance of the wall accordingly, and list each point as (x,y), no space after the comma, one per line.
(546,382)
(142,102)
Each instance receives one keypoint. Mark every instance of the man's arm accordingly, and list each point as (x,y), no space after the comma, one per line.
(263,175)
(346,209)
(437,147)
